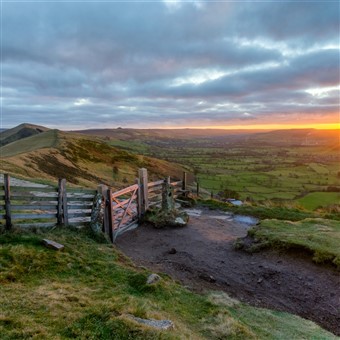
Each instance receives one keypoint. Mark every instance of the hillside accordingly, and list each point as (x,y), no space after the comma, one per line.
(82,160)
(19,132)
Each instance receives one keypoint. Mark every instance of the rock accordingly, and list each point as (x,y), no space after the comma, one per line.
(172,251)
(180,221)
(152,279)
(158,324)
(260,280)
(207,277)
(52,244)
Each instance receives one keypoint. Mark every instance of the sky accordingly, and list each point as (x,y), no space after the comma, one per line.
(170,64)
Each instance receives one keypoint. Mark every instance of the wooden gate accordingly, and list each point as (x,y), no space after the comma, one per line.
(123,210)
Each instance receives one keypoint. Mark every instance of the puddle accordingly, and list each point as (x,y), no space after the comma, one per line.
(248,220)
(242,219)
(193,212)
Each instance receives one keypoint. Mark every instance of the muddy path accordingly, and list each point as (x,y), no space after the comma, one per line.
(202,257)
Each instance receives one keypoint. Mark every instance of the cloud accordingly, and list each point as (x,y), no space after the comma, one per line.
(180,61)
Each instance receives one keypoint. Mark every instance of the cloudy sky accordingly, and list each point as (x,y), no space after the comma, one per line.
(81,64)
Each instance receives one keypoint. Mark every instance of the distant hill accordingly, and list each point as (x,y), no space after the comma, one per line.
(82,160)
(19,132)
(127,134)
(298,137)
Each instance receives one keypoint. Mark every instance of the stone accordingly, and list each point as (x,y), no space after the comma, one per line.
(152,279)
(97,214)
(180,221)
(52,244)
(172,251)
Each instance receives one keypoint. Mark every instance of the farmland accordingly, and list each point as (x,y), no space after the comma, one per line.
(253,165)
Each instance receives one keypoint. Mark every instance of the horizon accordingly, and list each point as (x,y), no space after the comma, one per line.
(171,64)
(330,127)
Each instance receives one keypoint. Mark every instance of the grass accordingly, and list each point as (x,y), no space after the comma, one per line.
(316,200)
(87,291)
(321,237)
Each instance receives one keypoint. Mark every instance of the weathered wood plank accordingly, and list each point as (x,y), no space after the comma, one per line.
(81,191)
(124,191)
(139,200)
(20,190)
(156,183)
(110,214)
(8,202)
(79,214)
(79,206)
(34,207)
(32,216)
(143,177)
(52,244)
(79,199)
(34,198)
(120,204)
(178,183)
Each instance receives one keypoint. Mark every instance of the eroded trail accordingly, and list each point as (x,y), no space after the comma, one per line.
(201,256)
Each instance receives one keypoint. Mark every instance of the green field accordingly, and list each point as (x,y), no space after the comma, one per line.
(315,200)
(257,171)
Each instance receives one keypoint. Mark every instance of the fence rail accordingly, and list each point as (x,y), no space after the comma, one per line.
(44,206)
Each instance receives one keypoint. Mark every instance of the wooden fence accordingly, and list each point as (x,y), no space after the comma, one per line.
(44,206)
(124,208)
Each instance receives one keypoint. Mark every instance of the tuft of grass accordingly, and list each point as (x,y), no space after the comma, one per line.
(87,291)
(320,237)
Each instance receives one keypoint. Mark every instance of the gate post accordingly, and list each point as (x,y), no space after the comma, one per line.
(102,190)
(143,180)
(110,213)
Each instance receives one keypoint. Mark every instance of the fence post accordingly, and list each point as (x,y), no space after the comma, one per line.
(139,199)
(62,212)
(143,178)
(7,188)
(110,213)
(184,182)
(168,202)
(102,189)
(198,189)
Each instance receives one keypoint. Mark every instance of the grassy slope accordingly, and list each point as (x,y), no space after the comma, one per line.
(315,200)
(87,290)
(319,236)
(82,160)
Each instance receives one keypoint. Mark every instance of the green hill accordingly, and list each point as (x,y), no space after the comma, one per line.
(82,160)
(19,132)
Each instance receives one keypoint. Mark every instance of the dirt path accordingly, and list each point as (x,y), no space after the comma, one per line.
(201,256)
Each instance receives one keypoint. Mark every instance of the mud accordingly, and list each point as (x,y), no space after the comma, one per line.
(202,257)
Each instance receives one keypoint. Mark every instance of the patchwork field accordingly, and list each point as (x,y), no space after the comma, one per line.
(297,170)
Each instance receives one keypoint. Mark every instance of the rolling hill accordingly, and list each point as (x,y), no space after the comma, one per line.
(82,160)
(19,132)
